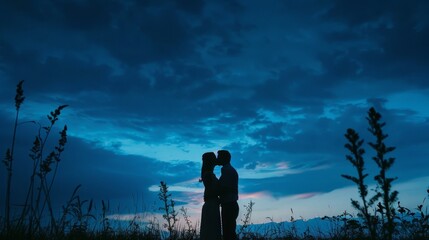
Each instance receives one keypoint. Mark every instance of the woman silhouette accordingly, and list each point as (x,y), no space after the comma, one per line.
(210,215)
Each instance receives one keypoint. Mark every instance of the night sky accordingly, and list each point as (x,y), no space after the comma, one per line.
(152,85)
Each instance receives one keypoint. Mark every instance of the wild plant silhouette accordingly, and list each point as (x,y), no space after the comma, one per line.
(384,222)
(380,213)
(19,99)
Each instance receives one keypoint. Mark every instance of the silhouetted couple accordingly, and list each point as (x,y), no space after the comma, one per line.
(223,192)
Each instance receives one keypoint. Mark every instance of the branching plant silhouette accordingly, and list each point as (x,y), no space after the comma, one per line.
(170,214)
(356,159)
(381,224)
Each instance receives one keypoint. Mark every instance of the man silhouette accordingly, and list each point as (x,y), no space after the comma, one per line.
(228,194)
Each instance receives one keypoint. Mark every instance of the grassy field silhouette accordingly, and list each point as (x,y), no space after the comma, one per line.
(380,215)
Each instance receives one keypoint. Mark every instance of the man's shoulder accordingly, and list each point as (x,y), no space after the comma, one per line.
(231,167)
(228,168)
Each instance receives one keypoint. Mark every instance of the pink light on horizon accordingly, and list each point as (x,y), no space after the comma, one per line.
(255,195)
(282,165)
(306,195)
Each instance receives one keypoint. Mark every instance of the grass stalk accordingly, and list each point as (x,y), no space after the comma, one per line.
(19,99)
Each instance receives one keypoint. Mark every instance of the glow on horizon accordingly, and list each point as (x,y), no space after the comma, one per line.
(300,206)
(305,205)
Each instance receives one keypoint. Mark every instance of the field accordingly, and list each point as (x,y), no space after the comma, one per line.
(380,216)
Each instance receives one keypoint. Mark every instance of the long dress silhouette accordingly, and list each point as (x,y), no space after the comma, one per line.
(210,215)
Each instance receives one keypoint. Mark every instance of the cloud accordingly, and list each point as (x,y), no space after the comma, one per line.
(382,40)
(152,85)
(103,174)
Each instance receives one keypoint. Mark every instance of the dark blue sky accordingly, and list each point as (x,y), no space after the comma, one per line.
(151,85)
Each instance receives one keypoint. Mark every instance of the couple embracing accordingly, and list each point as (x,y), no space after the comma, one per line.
(223,192)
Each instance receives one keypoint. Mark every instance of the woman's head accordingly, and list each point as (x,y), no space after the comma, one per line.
(209,161)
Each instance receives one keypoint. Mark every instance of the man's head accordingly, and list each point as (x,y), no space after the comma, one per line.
(223,157)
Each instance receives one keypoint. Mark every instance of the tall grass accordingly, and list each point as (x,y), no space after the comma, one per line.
(38,197)
(19,99)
